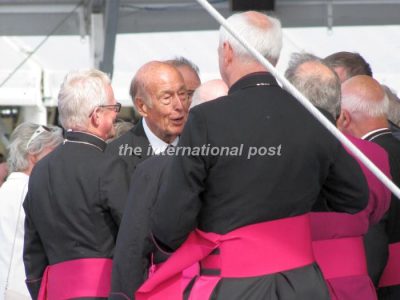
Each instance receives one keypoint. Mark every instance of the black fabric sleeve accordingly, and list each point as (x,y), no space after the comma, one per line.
(346,188)
(178,203)
(114,187)
(134,243)
(35,259)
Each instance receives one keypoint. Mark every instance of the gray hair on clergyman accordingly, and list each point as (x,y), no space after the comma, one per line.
(266,40)
(79,95)
(24,141)
(373,109)
(320,84)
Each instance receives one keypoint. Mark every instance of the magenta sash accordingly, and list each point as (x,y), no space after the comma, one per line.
(86,277)
(253,250)
(341,257)
(391,273)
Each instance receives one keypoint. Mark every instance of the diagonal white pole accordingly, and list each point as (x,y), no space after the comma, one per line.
(303,100)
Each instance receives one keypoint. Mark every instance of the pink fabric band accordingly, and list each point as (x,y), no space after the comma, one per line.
(341,257)
(263,248)
(87,277)
(252,250)
(391,274)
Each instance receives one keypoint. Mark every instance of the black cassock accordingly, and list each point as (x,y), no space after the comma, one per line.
(388,230)
(298,161)
(74,205)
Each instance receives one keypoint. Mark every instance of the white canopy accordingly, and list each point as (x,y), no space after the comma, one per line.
(39,79)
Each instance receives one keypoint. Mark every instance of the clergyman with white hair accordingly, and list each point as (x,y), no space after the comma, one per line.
(76,197)
(263,194)
(28,144)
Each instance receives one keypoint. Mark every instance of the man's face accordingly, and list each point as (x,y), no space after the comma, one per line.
(167,113)
(191,79)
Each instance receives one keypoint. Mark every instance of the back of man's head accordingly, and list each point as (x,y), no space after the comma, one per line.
(364,96)
(208,91)
(79,95)
(348,64)
(262,32)
(318,82)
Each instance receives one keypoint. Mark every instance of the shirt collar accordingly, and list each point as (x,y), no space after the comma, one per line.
(373,132)
(157,144)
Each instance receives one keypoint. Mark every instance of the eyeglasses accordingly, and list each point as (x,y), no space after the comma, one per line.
(37,132)
(115,107)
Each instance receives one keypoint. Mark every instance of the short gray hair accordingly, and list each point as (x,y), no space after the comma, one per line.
(268,41)
(23,142)
(183,61)
(79,95)
(322,89)
(374,109)
(394,106)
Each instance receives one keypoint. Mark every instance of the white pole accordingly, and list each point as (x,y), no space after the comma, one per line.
(303,100)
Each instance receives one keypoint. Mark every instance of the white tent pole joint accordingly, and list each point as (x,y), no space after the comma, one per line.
(304,101)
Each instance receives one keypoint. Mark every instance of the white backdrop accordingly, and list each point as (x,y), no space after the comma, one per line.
(42,75)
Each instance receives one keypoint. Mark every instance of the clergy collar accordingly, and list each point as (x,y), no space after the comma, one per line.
(375,133)
(157,144)
(85,137)
(253,80)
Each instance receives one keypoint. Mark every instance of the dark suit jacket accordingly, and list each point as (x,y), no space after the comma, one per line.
(132,147)
(134,243)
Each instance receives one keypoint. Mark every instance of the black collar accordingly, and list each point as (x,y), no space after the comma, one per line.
(373,135)
(253,80)
(78,136)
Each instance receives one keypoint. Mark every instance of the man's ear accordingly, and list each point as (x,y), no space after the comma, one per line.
(344,120)
(95,118)
(228,53)
(141,106)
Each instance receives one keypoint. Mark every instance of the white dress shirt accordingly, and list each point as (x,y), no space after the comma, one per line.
(157,144)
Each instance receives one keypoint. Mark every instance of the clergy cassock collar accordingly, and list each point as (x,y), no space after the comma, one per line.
(370,136)
(253,80)
(85,139)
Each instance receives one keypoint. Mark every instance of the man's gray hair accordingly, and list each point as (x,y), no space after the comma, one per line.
(394,106)
(322,89)
(182,61)
(374,109)
(268,40)
(24,141)
(79,95)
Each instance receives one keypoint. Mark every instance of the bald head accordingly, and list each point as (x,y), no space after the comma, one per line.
(364,106)
(150,74)
(209,90)
(315,80)
(364,95)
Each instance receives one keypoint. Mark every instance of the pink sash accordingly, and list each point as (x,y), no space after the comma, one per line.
(391,274)
(87,277)
(253,250)
(341,257)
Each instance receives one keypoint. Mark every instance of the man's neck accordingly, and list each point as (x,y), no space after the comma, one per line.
(242,70)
